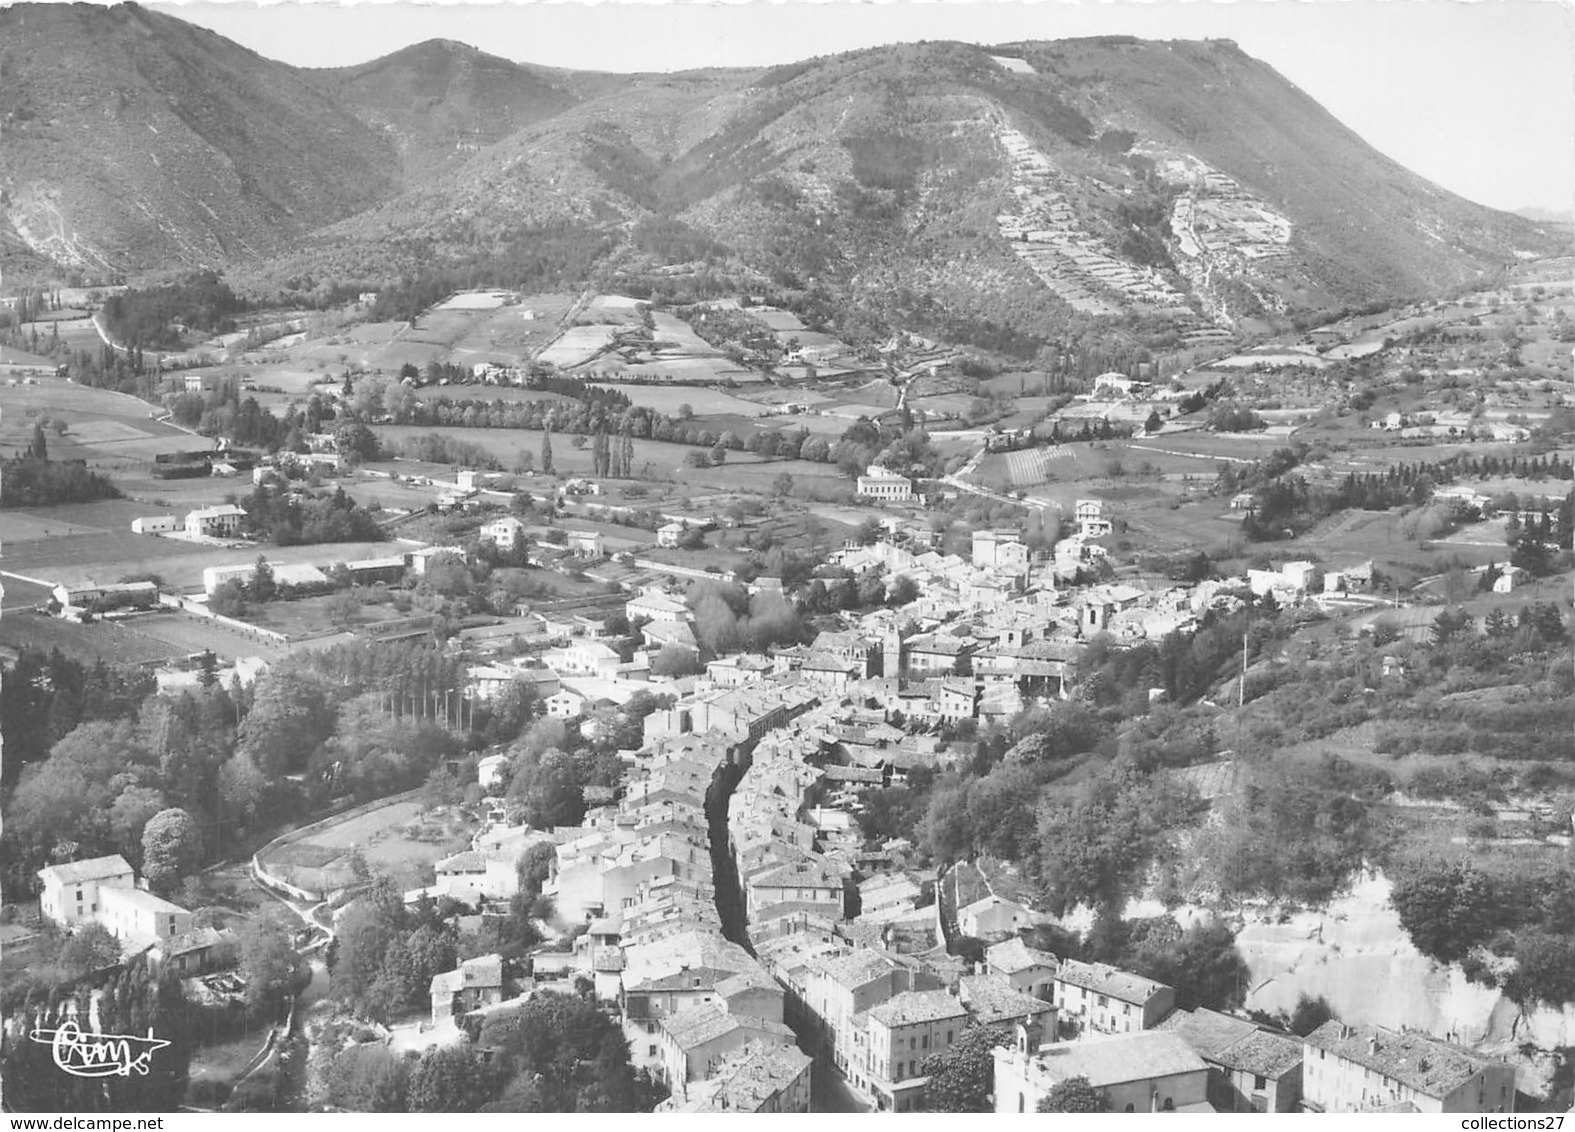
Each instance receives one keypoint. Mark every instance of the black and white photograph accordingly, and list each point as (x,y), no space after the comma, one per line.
(993,557)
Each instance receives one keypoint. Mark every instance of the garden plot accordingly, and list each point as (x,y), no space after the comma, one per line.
(619,310)
(578,345)
(781,321)
(476,301)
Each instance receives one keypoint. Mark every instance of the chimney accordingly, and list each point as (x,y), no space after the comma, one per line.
(1372,1044)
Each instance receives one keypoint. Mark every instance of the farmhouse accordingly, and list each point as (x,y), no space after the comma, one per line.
(139,919)
(70,893)
(155,525)
(1025,968)
(505,534)
(1120,385)
(368,571)
(421,559)
(215,522)
(994,918)
(654,605)
(886,486)
(285,574)
(1091,521)
(74,601)
(474,983)
(670,534)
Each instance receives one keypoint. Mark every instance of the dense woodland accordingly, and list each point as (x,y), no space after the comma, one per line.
(157,318)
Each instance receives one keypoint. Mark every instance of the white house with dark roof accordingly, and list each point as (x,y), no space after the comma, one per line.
(70,894)
(476,875)
(1364,1068)
(1147,1071)
(474,983)
(885,485)
(694,1042)
(992,917)
(991,1001)
(1251,1068)
(505,533)
(140,919)
(892,1040)
(654,605)
(1026,969)
(222,522)
(1100,998)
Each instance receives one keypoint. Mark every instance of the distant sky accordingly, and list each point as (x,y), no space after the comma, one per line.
(1477,95)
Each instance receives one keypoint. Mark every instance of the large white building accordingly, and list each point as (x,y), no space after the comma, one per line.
(1366,1068)
(103,890)
(1145,1071)
(223,521)
(71,892)
(886,486)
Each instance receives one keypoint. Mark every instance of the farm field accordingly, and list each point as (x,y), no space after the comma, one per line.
(669,400)
(812,422)
(59,397)
(112,642)
(487,394)
(1209,446)
(710,370)
(673,332)
(108,556)
(1032,466)
(475,301)
(615,310)
(781,321)
(760,476)
(22,595)
(577,346)
(665,460)
(308,617)
(193,634)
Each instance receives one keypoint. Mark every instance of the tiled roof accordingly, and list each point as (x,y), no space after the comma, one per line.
(911,1007)
(745,1081)
(1142,1056)
(1105,979)
(693,978)
(1013,955)
(701,1024)
(1208,1032)
(1431,1067)
(1264,1054)
(857,969)
(94,868)
(991,999)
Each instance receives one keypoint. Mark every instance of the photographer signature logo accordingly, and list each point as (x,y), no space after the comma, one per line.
(99,1055)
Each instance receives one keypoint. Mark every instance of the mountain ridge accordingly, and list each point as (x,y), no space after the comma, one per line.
(1007,191)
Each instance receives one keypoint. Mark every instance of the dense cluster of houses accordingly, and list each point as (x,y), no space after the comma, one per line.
(844,966)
